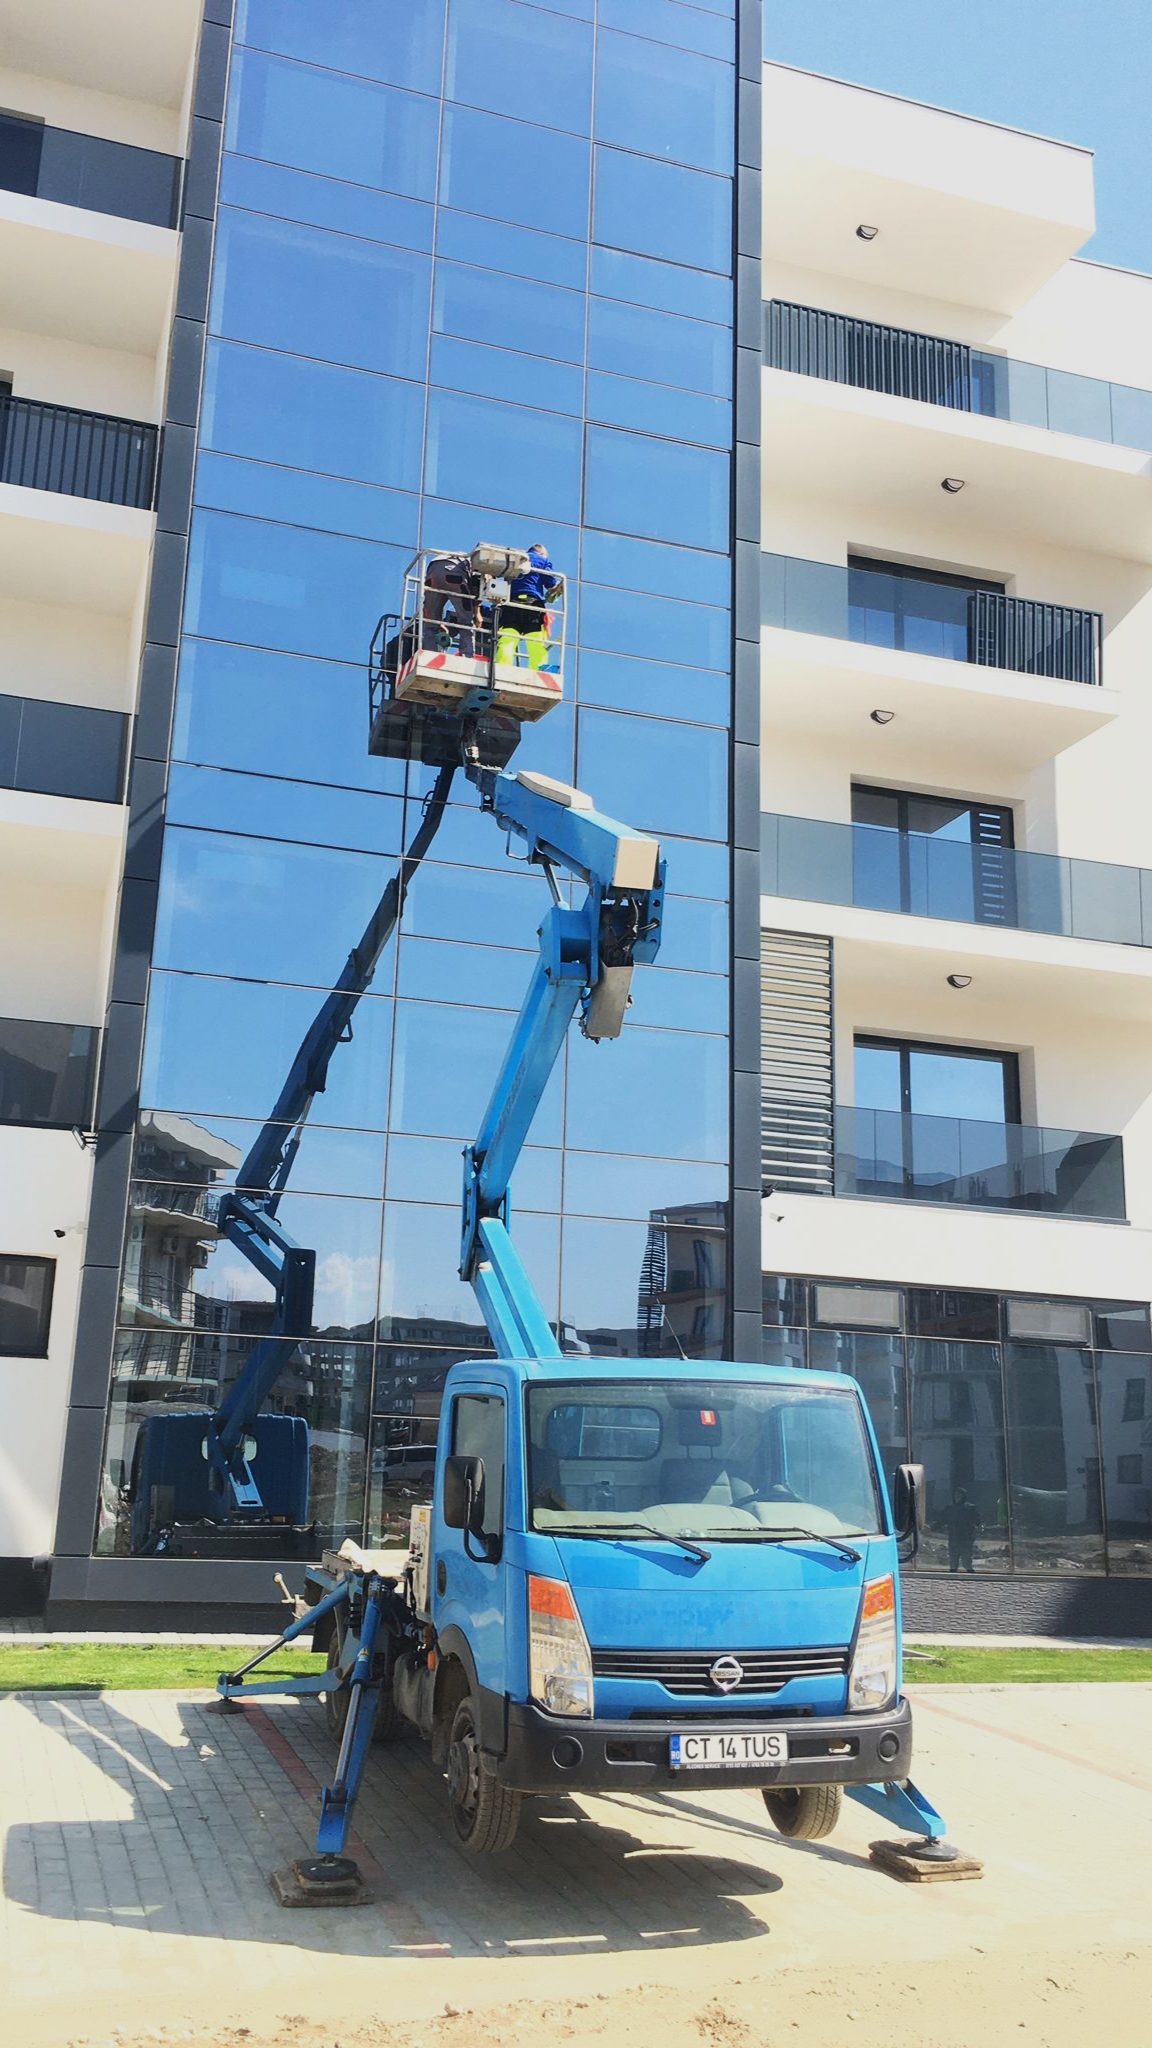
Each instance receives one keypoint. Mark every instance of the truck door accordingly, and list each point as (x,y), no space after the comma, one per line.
(469,1591)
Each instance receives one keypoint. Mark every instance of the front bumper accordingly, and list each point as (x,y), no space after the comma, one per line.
(548,1754)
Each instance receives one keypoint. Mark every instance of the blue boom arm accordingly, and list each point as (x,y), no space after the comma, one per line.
(247,1214)
(586,959)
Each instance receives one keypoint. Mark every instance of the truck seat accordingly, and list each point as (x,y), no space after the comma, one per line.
(694,1479)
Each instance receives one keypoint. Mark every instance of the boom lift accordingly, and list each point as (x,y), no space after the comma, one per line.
(476,1634)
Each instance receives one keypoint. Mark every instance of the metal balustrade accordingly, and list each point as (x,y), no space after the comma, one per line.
(919,875)
(917,615)
(929,367)
(80,454)
(89,171)
(963,1163)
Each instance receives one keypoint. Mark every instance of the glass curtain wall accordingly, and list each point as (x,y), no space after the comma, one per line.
(472,280)
(1032,1419)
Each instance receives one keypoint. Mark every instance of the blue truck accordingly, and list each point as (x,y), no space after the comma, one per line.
(638,1575)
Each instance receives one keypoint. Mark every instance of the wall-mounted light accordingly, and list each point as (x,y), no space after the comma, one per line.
(866,233)
(881,717)
(952,484)
(959,981)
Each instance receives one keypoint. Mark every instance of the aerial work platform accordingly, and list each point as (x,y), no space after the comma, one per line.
(464,655)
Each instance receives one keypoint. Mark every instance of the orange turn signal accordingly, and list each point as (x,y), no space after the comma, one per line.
(879,1598)
(552,1596)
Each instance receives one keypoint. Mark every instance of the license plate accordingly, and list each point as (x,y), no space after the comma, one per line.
(734,1752)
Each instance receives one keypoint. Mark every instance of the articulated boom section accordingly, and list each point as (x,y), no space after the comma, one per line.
(586,960)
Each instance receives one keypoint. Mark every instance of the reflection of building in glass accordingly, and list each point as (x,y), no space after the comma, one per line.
(680,1304)
(171,1230)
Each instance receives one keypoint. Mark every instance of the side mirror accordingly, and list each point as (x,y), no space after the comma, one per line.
(117,1473)
(907,1496)
(464,1506)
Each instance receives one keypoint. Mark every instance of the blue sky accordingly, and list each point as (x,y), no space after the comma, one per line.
(1078,71)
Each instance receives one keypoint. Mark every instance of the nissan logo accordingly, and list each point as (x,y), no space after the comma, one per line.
(726,1673)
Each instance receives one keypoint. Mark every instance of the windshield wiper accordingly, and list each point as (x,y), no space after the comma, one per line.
(606,1530)
(792,1531)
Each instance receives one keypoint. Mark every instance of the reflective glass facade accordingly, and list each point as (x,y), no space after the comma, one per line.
(442,310)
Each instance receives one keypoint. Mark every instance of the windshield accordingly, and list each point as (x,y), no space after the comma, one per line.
(718,1459)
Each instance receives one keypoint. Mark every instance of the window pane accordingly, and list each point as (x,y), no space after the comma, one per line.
(445,1067)
(655,408)
(501,906)
(242,707)
(604,1184)
(666,21)
(478,1432)
(313,416)
(315,294)
(523,459)
(263,808)
(497,373)
(663,286)
(47,1072)
(658,777)
(298,497)
(625,1105)
(275,586)
(225,1046)
(514,172)
(430,1170)
(432,971)
(495,48)
(634,342)
(536,319)
(344,1234)
(660,210)
(325,121)
(514,252)
(948,1312)
(943,1084)
(1126,1450)
(664,102)
(643,1290)
(179,1162)
(958,1436)
(678,572)
(348,35)
(695,934)
(1054,1458)
(424,1301)
(656,489)
(655,687)
(656,628)
(25,1306)
(878,1364)
(325,203)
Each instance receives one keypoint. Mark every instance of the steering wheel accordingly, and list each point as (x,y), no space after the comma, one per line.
(771,1495)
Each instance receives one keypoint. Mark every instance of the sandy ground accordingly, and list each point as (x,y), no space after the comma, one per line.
(676,1921)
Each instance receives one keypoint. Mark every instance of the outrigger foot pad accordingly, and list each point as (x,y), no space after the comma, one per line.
(320,1881)
(224,1706)
(926,1861)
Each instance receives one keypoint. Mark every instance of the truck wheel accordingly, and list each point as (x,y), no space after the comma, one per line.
(485,1813)
(805,1813)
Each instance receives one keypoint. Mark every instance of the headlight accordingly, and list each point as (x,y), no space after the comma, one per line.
(872,1682)
(559,1660)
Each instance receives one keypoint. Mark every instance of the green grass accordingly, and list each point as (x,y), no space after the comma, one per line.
(88,1667)
(137,1667)
(1024,1667)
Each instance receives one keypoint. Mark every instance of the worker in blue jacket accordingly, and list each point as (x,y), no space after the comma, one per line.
(525,618)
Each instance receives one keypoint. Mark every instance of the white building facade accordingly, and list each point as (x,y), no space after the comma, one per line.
(957,844)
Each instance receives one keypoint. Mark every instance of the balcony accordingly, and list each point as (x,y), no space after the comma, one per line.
(904,364)
(918,875)
(949,1160)
(88,171)
(47,1073)
(70,750)
(78,454)
(944,620)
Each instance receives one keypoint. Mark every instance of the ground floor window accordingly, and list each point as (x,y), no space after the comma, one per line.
(25,1306)
(1032,1417)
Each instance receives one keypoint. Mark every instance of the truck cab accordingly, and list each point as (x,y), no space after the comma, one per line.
(676,1575)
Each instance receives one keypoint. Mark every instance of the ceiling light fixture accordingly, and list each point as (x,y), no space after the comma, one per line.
(952,484)
(866,233)
(959,981)
(881,717)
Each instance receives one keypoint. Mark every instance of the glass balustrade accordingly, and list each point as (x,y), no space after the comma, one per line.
(968,1164)
(919,875)
(88,171)
(47,1072)
(937,371)
(920,616)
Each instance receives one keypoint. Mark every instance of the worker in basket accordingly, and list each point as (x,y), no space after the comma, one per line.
(450,580)
(525,618)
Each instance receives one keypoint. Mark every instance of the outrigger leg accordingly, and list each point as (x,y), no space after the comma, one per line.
(930,1859)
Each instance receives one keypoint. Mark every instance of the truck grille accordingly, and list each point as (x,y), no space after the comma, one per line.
(686,1672)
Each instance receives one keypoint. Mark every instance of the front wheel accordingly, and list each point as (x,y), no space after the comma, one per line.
(485,1813)
(805,1813)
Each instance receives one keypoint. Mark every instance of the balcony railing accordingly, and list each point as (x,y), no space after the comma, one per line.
(89,171)
(919,875)
(81,454)
(905,364)
(55,749)
(885,1152)
(47,1073)
(920,616)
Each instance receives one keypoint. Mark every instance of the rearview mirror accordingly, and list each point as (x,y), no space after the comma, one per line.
(907,1496)
(464,1493)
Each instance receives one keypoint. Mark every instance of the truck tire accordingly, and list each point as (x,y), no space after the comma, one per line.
(485,1813)
(389,1725)
(805,1813)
